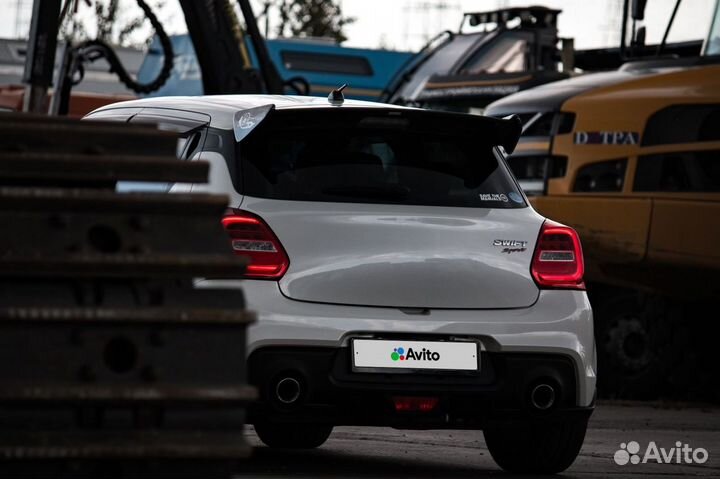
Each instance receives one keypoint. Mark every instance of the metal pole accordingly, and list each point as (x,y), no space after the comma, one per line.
(626,7)
(271,77)
(667,30)
(267,18)
(40,59)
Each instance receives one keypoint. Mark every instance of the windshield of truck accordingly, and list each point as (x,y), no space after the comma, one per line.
(507,54)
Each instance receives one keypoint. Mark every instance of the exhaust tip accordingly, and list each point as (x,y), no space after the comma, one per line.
(542,397)
(287,390)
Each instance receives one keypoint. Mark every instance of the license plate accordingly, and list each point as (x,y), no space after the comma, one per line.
(401,354)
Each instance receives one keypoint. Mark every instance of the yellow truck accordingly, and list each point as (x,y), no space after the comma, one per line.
(631,159)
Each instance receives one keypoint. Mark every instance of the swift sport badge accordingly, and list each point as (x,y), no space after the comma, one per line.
(511,246)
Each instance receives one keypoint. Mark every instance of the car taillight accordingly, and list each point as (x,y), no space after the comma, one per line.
(251,237)
(558,259)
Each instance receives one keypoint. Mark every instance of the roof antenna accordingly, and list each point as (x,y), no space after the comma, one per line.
(336,97)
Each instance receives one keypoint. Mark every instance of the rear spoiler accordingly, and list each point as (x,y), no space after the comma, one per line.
(503,132)
(510,133)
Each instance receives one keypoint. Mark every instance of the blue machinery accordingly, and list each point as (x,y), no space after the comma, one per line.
(324,65)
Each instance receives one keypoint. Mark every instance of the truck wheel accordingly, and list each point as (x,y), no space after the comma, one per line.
(293,436)
(634,338)
(537,447)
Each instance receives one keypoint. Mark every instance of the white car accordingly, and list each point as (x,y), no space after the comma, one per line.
(399,274)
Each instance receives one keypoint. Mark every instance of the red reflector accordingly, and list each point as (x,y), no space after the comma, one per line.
(412,403)
(251,237)
(558,259)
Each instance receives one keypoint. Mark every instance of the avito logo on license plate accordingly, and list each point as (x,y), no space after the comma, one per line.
(377,353)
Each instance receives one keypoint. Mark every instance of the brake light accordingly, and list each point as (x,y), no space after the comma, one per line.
(251,237)
(558,259)
(414,404)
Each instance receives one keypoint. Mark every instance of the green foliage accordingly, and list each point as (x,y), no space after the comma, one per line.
(312,18)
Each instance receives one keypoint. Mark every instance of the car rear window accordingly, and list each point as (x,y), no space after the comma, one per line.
(382,156)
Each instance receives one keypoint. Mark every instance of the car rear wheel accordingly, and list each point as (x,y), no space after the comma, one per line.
(293,436)
(538,447)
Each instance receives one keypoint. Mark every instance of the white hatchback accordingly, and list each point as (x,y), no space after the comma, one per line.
(399,274)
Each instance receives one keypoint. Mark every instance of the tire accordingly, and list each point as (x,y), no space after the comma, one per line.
(651,347)
(636,346)
(293,436)
(537,447)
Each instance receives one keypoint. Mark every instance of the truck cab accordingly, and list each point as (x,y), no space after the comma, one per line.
(493,54)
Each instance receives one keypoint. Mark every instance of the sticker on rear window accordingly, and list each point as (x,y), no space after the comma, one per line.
(493,197)
(515,197)
(245,121)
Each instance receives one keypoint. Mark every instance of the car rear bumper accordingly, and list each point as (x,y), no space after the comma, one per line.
(558,326)
(330,392)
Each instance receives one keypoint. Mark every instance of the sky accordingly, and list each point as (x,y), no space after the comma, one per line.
(408,24)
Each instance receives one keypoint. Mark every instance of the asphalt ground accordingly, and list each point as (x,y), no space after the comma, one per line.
(384,452)
(363,452)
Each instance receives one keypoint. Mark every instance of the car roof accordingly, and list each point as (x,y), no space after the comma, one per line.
(222,108)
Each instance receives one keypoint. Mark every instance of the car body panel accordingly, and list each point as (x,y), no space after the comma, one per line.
(560,322)
(403,255)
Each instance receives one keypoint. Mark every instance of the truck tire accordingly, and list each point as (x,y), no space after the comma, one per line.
(536,447)
(293,436)
(634,346)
